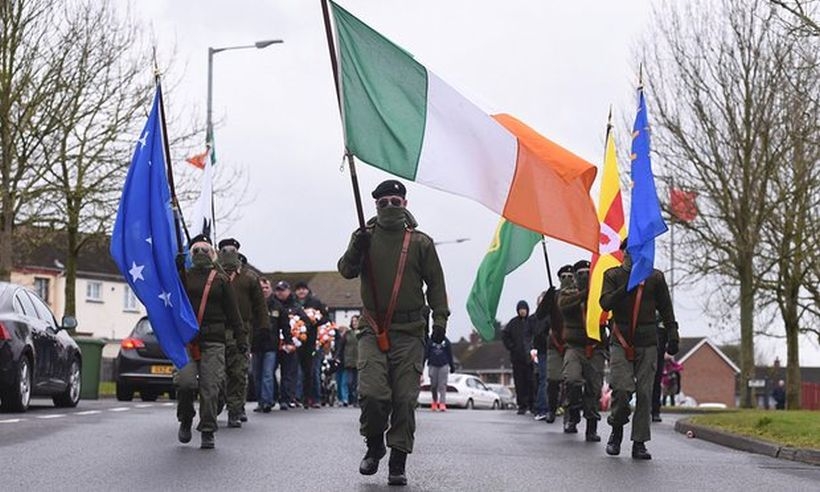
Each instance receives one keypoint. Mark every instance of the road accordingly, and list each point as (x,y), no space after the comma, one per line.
(109,445)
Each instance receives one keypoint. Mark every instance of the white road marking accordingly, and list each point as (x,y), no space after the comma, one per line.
(119,409)
(169,404)
(52,416)
(88,412)
(11,421)
(144,405)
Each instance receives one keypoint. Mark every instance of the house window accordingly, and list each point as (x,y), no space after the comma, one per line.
(93,291)
(41,287)
(130,300)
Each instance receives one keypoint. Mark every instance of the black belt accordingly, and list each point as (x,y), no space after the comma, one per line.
(404,316)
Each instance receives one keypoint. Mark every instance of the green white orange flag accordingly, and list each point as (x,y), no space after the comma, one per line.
(511,246)
(613,231)
(401,118)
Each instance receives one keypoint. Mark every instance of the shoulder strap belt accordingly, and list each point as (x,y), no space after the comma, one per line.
(205,293)
(636,307)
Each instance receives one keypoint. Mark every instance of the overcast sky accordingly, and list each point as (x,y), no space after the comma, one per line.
(555,65)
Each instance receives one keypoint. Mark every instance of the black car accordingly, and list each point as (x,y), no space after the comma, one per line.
(142,366)
(37,356)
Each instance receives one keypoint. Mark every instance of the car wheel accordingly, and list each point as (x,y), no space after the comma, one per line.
(124,393)
(470,405)
(71,396)
(18,396)
(495,405)
(148,396)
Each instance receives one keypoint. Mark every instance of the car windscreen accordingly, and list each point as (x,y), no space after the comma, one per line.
(142,329)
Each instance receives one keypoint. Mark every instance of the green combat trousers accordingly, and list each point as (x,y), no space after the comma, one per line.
(389,387)
(204,375)
(587,373)
(236,375)
(627,377)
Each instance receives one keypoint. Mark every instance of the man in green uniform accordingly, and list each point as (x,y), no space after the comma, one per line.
(217,314)
(634,339)
(584,358)
(556,345)
(254,312)
(394,261)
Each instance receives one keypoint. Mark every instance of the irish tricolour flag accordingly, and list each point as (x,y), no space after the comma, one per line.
(402,118)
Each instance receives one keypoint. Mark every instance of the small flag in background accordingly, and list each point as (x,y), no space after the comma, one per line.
(401,118)
(683,204)
(645,219)
(144,243)
(511,246)
(613,231)
(198,160)
(201,220)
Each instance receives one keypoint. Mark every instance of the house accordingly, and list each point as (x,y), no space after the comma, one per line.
(490,361)
(709,376)
(340,295)
(769,376)
(106,307)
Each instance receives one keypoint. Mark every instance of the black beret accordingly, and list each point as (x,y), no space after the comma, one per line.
(200,238)
(580,265)
(300,284)
(391,187)
(565,269)
(229,242)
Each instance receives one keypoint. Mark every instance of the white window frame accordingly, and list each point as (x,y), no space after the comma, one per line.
(44,292)
(130,303)
(89,287)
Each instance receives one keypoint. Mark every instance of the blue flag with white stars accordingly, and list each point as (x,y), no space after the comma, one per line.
(645,219)
(144,243)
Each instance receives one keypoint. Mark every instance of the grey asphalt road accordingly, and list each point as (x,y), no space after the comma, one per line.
(108,445)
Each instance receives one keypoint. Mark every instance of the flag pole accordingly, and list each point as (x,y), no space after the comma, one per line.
(672,248)
(166,149)
(547,260)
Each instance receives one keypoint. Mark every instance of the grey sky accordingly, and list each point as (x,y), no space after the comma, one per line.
(555,65)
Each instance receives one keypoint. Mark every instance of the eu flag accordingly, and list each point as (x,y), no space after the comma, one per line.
(144,243)
(645,219)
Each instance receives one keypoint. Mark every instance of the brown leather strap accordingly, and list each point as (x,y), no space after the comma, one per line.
(388,317)
(232,276)
(635,310)
(205,292)
(560,347)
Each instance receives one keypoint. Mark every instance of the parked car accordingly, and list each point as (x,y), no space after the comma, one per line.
(37,355)
(505,393)
(142,367)
(463,390)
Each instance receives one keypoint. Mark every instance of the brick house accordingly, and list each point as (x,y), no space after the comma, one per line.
(709,376)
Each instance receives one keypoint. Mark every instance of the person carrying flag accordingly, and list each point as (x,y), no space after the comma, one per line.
(214,301)
(633,349)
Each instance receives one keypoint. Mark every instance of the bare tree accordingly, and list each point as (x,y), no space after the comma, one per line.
(714,74)
(801,14)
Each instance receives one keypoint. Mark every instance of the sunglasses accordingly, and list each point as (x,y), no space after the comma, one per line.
(201,250)
(228,249)
(390,201)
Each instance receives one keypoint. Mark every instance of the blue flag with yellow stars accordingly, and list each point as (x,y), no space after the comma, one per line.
(645,219)
(144,243)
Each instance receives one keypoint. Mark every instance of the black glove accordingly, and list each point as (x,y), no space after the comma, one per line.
(438,334)
(180,261)
(452,369)
(361,240)
(242,348)
(672,347)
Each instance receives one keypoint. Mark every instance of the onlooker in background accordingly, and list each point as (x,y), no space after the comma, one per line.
(318,316)
(288,363)
(350,384)
(440,364)
(779,395)
(264,347)
(671,379)
(540,332)
(517,337)
(339,357)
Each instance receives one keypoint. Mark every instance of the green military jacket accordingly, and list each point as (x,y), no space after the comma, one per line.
(251,301)
(655,299)
(221,308)
(423,268)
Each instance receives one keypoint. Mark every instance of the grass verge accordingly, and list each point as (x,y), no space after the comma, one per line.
(799,429)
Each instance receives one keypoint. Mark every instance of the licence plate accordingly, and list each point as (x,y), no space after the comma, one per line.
(162,370)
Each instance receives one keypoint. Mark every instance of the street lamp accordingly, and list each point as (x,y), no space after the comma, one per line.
(452,241)
(211,52)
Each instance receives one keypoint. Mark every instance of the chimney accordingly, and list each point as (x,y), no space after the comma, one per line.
(475,339)
(777,362)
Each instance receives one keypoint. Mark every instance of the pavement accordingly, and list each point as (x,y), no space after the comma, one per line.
(109,445)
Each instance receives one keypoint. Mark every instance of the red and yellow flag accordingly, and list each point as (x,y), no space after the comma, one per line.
(613,231)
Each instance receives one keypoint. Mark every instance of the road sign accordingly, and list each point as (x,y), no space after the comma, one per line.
(757,383)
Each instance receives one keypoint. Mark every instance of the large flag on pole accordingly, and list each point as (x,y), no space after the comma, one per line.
(613,231)
(511,246)
(645,219)
(144,244)
(401,118)
(202,215)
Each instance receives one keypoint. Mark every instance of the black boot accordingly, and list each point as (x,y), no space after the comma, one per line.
(550,417)
(592,431)
(233,420)
(613,446)
(570,426)
(208,441)
(243,417)
(395,468)
(639,451)
(184,434)
(375,452)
